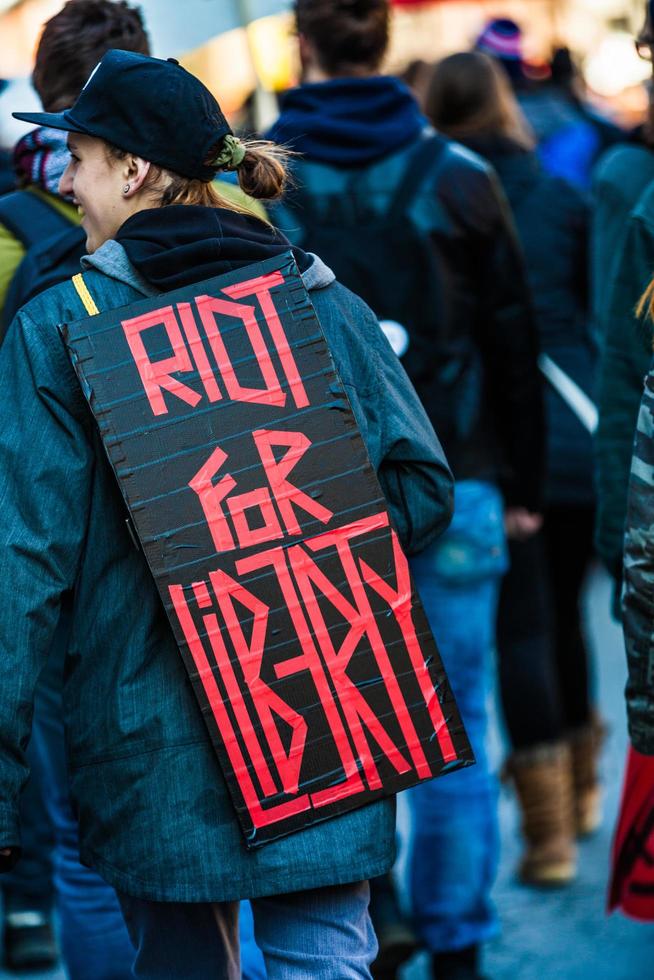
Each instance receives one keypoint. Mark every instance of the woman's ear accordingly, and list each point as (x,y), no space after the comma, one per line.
(135,171)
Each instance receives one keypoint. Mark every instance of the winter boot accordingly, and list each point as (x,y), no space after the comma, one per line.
(543,782)
(585,746)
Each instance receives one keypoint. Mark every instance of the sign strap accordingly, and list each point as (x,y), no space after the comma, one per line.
(84,295)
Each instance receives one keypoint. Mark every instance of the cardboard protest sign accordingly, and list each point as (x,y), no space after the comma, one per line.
(269,538)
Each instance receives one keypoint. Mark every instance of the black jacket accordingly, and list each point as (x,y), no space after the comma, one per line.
(485,317)
(552,218)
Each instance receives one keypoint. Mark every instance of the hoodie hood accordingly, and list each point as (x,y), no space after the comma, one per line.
(167,248)
(175,246)
(348,122)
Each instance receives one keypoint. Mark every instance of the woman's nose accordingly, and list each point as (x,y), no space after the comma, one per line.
(66,182)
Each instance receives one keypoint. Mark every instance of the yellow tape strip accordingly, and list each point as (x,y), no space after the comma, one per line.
(84,295)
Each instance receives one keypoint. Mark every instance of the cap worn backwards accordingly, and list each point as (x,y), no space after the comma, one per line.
(152,108)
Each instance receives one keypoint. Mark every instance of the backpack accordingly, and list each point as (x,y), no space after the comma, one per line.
(53,246)
(385,258)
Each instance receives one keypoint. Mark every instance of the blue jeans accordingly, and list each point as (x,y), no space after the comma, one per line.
(252,962)
(29,886)
(324,933)
(94,941)
(455,846)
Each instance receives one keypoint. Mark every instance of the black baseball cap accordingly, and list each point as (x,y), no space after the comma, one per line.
(152,108)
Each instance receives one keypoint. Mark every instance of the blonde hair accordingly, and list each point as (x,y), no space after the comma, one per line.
(645,305)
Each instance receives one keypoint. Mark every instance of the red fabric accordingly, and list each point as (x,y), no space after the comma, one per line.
(632,867)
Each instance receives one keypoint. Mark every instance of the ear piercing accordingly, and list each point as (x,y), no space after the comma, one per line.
(126,189)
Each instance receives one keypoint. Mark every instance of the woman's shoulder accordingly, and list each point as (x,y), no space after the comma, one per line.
(63,303)
(56,304)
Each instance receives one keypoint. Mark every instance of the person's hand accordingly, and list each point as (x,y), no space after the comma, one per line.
(520,524)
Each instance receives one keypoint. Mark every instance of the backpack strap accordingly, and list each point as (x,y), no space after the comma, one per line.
(422,161)
(429,151)
(84,294)
(29,218)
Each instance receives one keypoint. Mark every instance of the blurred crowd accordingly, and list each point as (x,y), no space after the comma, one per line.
(501,229)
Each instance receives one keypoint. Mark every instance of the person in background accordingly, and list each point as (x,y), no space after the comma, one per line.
(39,221)
(543,660)
(570,133)
(418,226)
(638,591)
(72,43)
(623,259)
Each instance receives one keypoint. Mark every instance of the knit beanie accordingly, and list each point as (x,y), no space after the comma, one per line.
(502,38)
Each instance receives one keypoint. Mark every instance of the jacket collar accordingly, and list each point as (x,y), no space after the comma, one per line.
(111,260)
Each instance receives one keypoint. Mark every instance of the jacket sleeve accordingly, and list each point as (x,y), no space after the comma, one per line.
(413,473)
(624,360)
(507,337)
(44,499)
(411,466)
(638,593)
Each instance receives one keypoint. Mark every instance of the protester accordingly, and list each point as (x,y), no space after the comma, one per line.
(544,677)
(417,226)
(570,133)
(638,595)
(619,178)
(155,817)
(622,269)
(632,878)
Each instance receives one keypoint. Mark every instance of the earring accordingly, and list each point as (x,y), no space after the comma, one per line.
(126,189)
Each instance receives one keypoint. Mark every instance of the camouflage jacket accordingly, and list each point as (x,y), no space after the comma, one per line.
(638,592)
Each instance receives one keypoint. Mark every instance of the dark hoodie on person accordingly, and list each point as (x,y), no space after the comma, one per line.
(155,816)
(552,219)
(354,138)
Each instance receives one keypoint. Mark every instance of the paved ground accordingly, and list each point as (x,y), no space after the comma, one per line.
(564,935)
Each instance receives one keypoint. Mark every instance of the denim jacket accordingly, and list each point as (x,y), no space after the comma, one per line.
(155,817)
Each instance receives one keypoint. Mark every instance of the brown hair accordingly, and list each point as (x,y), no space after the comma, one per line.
(74,41)
(348,35)
(261,175)
(470,95)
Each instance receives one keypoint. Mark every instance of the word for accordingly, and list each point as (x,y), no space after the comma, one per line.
(266,523)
